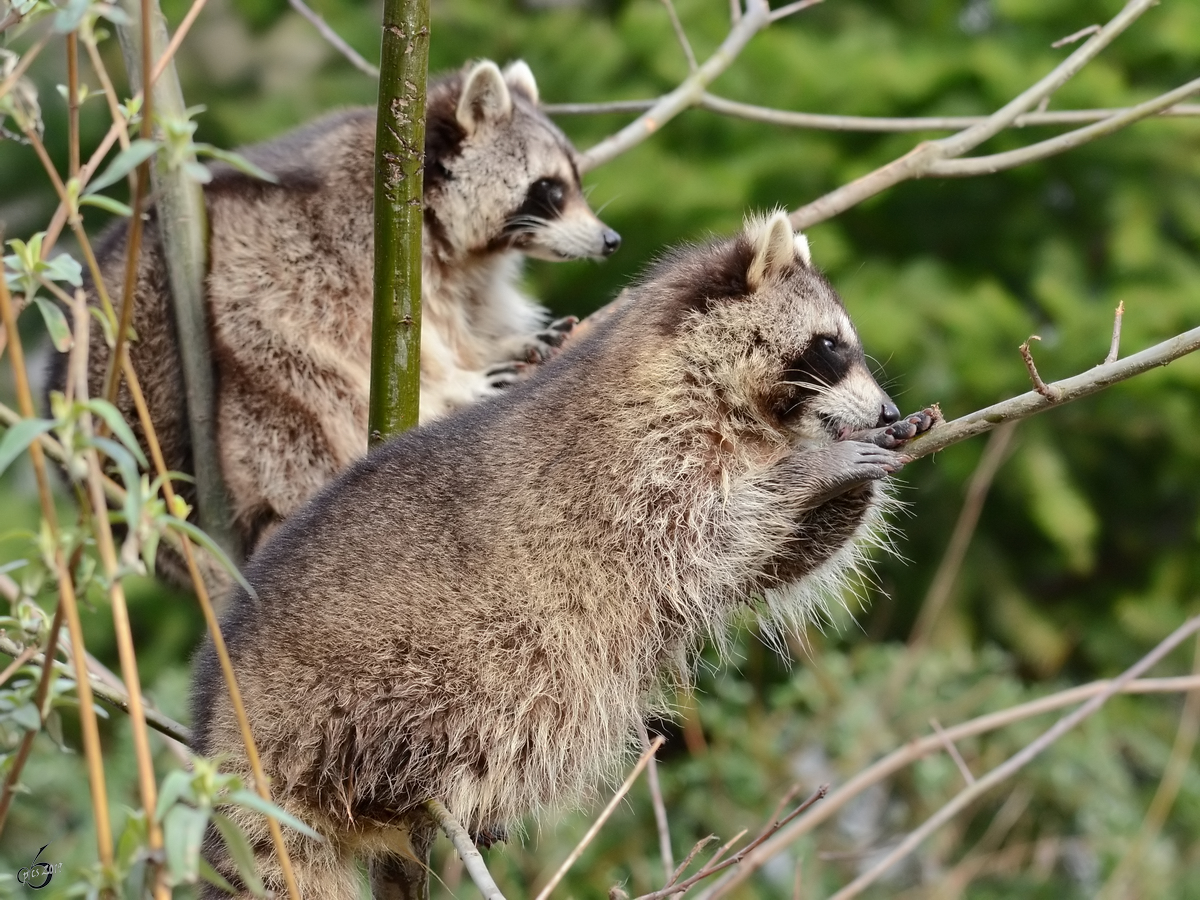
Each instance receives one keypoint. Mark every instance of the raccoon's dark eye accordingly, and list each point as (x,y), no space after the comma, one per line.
(828,342)
(546,196)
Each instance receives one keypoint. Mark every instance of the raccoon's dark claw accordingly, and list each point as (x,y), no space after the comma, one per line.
(545,344)
(503,375)
(490,835)
(899,433)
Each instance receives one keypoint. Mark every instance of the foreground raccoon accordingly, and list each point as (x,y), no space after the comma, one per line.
(289,286)
(481,610)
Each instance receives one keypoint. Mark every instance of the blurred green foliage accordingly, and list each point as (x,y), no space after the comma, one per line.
(1086,553)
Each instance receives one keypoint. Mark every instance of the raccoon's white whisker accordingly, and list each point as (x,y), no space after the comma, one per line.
(605,205)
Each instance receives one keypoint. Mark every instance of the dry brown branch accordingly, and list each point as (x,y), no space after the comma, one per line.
(953,751)
(24,63)
(334,39)
(960,539)
(1031,367)
(1082,385)
(66,591)
(109,693)
(19,660)
(656,800)
(600,820)
(1114,348)
(461,840)
(1017,761)
(922,747)
(716,865)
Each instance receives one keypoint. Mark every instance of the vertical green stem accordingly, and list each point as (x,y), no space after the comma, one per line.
(399,176)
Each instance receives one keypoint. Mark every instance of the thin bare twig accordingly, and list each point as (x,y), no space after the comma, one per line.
(334,39)
(1031,366)
(996,162)
(682,35)
(461,840)
(922,747)
(792,8)
(1078,35)
(925,158)
(953,751)
(24,63)
(756,16)
(1017,761)
(600,820)
(1186,733)
(878,124)
(1114,348)
(656,800)
(19,660)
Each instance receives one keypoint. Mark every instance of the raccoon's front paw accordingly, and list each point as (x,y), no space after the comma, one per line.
(503,375)
(545,344)
(490,835)
(842,466)
(899,433)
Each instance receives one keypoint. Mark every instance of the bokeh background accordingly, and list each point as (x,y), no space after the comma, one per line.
(1086,553)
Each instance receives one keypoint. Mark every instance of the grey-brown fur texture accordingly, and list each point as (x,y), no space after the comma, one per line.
(481,610)
(289,288)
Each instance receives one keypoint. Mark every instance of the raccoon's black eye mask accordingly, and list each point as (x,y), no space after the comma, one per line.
(825,361)
(545,198)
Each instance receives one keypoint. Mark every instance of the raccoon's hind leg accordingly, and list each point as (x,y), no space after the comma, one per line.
(399,876)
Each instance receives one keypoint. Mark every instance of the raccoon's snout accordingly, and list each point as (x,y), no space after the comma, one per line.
(888,414)
(612,241)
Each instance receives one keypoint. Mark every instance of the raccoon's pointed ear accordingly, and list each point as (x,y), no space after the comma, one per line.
(520,78)
(802,251)
(775,249)
(485,97)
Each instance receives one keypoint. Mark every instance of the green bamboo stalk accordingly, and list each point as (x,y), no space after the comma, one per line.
(399,178)
(183,230)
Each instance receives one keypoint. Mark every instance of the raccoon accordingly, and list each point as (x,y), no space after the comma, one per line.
(289,286)
(481,610)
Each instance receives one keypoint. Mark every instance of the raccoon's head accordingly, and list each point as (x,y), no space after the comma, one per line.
(767,335)
(499,175)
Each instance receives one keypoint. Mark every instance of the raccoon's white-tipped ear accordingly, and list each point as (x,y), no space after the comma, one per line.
(774,249)
(802,251)
(485,97)
(520,78)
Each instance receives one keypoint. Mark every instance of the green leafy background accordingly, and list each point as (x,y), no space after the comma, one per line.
(1086,553)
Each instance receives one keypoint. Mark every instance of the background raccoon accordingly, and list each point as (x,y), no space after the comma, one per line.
(289,287)
(481,610)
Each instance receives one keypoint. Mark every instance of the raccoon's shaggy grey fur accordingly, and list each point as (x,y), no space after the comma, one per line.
(482,609)
(289,288)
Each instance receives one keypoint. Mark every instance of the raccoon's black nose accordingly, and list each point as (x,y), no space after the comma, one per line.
(612,241)
(888,413)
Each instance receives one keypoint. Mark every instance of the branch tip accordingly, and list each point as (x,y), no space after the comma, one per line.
(1038,385)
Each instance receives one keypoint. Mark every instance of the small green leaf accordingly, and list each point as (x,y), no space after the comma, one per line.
(56,324)
(213,877)
(108,204)
(129,475)
(124,163)
(119,427)
(18,438)
(239,849)
(183,832)
(65,267)
(236,160)
(251,800)
(198,172)
(176,786)
(27,717)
